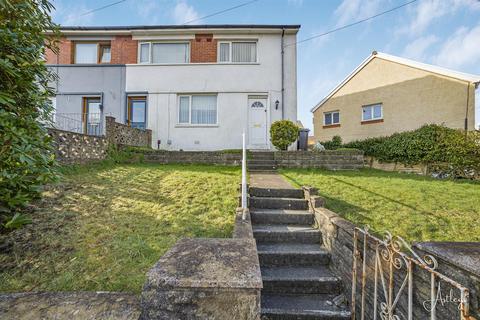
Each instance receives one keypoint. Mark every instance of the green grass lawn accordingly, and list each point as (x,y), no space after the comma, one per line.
(414,207)
(102,228)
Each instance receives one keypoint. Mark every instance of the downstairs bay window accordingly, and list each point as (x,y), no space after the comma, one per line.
(200,109)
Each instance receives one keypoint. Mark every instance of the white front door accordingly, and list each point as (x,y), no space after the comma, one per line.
(257,122)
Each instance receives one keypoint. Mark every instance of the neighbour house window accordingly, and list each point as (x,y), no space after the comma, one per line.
(145,52)
(164,52)
(92,115)
(105,53)
(372,112)
(197,109)
(137,112)
(330,118)
(237,52)
(92,52)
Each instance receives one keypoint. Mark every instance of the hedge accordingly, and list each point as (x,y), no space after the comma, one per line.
(451,151)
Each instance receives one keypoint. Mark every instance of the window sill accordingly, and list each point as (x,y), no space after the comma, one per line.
(335,125)
(196,126)
(371,121)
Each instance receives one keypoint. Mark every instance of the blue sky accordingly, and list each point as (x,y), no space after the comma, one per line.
(440,32)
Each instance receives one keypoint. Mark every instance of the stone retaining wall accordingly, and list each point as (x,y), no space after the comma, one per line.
(193,157)
(71,147)
(124,135)
(327,159)
(337,234)
(373,163)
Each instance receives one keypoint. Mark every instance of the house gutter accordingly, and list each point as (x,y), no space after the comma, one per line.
(283,71)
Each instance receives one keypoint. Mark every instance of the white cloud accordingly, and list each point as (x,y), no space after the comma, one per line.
(461,49)
(428,11)
(183,12)
(353,10)
(416,49)
(70,15)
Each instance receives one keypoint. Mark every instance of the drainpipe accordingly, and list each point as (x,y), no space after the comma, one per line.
(283,81)
(466,108)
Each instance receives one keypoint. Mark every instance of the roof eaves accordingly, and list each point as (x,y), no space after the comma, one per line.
(344,81)
(158,27)
(423,66)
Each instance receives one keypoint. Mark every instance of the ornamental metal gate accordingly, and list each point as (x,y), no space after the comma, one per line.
(387,276)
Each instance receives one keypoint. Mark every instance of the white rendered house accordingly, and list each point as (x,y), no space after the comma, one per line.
(196,87)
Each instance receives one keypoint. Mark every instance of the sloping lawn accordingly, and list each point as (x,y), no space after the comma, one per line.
(102,228)
(414,207)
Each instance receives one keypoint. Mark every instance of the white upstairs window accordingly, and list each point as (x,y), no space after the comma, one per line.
(237,52)
(152,52)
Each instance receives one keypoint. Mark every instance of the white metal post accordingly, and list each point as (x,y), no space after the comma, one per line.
(244,178)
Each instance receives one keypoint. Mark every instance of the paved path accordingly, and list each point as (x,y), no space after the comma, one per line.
(268,180)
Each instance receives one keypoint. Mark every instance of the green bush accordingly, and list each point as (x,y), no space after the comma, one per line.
(26,158)
(283,133)
(333,144)
(456,152)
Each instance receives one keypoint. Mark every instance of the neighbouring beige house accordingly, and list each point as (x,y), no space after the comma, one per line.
(387,94)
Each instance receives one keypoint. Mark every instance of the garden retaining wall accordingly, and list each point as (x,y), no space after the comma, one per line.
(371,162)
(328,159)
(459,261)
(193,157)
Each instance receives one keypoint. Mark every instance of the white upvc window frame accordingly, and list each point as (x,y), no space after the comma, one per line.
(189,123)
(230,51)
(150,48)
(331,113)
(372,108)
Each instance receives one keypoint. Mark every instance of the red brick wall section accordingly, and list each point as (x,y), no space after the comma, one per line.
(203,48)
(65,53)
(124,50)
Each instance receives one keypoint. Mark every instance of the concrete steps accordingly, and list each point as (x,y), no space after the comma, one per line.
(297,281)
(314,279)
(292,254)
(281,216)
(301,307)
(261,161)
(278,203)
(276,193)
(286,234)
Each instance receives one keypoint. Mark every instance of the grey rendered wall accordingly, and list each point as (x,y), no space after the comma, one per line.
(77,81)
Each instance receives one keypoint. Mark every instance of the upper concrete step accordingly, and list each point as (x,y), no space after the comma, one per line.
(318,279)
(261,161)
(301,307)
(278,203)
(262,155)
(292,254)
(286,234)
(281,216)
(276,193)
